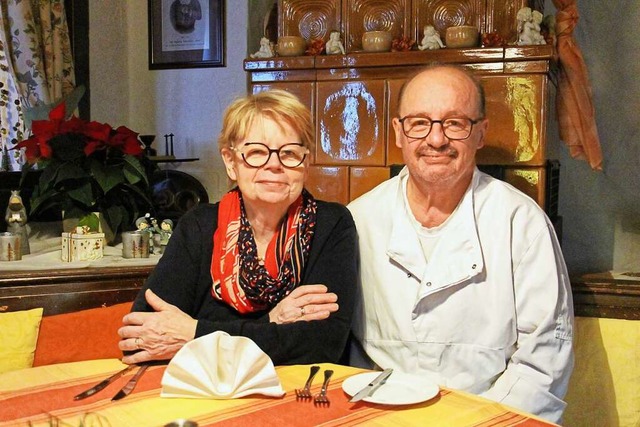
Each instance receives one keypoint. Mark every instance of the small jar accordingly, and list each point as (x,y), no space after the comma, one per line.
(462,36)
(377,41)
(291,46)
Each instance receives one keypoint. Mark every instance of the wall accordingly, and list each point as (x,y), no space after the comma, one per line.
(601,211)
(188,103)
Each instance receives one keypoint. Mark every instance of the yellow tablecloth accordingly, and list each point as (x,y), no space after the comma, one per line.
(44,394)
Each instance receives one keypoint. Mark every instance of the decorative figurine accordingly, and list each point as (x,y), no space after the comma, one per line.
(16,217)
(431,39)
(166,227)
(529,27)
(334,45)
(266,49)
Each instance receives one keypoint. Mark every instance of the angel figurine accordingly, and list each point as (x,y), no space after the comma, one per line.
(431,39)
(529,27)
(266,50)
(334,45)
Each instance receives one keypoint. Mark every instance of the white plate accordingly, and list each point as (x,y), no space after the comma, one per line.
(400,388)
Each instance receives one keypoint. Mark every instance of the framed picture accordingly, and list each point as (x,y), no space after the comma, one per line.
(186,34)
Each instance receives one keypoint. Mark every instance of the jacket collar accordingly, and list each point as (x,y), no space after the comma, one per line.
(457,257)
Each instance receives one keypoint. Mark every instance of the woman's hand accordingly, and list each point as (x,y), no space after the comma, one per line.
(305,303)
(157,335)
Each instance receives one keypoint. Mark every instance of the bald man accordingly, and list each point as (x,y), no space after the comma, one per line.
(462,278)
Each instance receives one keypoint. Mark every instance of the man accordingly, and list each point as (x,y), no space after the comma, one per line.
(184,14)
(462,277)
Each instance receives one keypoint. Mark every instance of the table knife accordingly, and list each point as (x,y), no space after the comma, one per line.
(371,388)
(128,388)
(102,384)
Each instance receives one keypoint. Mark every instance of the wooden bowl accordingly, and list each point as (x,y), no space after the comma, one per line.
(377,41)
(291,46)
(462,36)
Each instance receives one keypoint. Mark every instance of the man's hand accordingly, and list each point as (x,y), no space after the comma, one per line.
(156,335)
(305,303)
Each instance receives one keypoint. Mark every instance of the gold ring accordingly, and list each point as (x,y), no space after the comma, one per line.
(137,343)
(301,311)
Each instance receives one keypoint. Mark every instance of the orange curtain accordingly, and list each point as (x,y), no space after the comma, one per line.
(576,114)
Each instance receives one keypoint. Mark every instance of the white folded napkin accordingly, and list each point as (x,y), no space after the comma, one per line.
(220,366)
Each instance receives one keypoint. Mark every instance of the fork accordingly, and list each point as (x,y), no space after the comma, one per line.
(305,393)
(322,399)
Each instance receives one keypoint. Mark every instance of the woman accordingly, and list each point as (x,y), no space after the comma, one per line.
(268,261)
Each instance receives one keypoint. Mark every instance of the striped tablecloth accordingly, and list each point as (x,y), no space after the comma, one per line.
(44,396)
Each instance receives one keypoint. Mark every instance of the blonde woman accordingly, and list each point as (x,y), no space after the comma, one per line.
(269,261)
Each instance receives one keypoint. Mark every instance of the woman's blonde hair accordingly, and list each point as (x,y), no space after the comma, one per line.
(276,104)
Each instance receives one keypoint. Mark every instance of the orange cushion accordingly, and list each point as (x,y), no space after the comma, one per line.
(82,335)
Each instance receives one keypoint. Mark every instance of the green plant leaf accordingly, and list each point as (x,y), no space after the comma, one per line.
(40,202)
(134,171)
(91,220)
(107,177)
(82,194)
(69,172)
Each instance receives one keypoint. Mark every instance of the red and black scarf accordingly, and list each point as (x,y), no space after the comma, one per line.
(239,279)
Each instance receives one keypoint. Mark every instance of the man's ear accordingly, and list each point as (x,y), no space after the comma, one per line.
(482,128)
(397,127)
(228,157)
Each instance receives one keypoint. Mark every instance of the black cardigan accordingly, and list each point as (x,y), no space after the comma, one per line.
(183,278)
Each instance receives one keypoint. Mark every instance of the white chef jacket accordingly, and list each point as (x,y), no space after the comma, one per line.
(490,313)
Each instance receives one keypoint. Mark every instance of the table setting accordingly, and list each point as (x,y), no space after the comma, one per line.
(220,380)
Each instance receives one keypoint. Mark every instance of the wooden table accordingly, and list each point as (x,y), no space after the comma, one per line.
(42,395)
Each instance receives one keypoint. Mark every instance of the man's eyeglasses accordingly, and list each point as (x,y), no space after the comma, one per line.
(257,154)
(454,128)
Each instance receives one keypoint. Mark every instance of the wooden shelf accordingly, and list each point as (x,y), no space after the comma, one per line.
(66,290)
(603,295)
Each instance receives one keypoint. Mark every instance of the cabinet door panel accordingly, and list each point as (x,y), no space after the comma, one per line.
(330,183)
(309,18)
(443,14)
(394,154)
(374,15)
(517,120)
(351,123)
(363,179)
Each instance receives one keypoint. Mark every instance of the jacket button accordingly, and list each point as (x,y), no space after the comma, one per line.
(428,283)
(473,266)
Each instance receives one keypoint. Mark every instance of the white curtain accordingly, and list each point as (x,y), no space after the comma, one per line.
(36,67)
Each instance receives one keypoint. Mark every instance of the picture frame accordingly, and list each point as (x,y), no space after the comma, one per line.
(186,34)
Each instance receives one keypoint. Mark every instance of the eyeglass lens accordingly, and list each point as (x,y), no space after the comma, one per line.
(257,154)
(453,127)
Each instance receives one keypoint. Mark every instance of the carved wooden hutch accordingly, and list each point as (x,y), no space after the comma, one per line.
(353,97)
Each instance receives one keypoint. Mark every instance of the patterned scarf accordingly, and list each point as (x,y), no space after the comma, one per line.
(239,279)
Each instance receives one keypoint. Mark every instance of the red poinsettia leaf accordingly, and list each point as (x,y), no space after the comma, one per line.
(45,149)
(73,125)
(44,128)
(127,140)
(58,112)
(97,131)
(31,149)
(91,147)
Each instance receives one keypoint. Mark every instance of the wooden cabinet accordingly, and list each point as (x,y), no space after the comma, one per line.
(67,290)
(403,18)
(353,98)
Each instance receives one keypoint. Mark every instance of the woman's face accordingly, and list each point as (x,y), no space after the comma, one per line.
(271,185)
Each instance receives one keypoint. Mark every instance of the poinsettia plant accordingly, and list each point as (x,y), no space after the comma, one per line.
(88,167)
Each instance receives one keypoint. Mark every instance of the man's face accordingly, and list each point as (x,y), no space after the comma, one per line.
(436,160)
(185,18)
